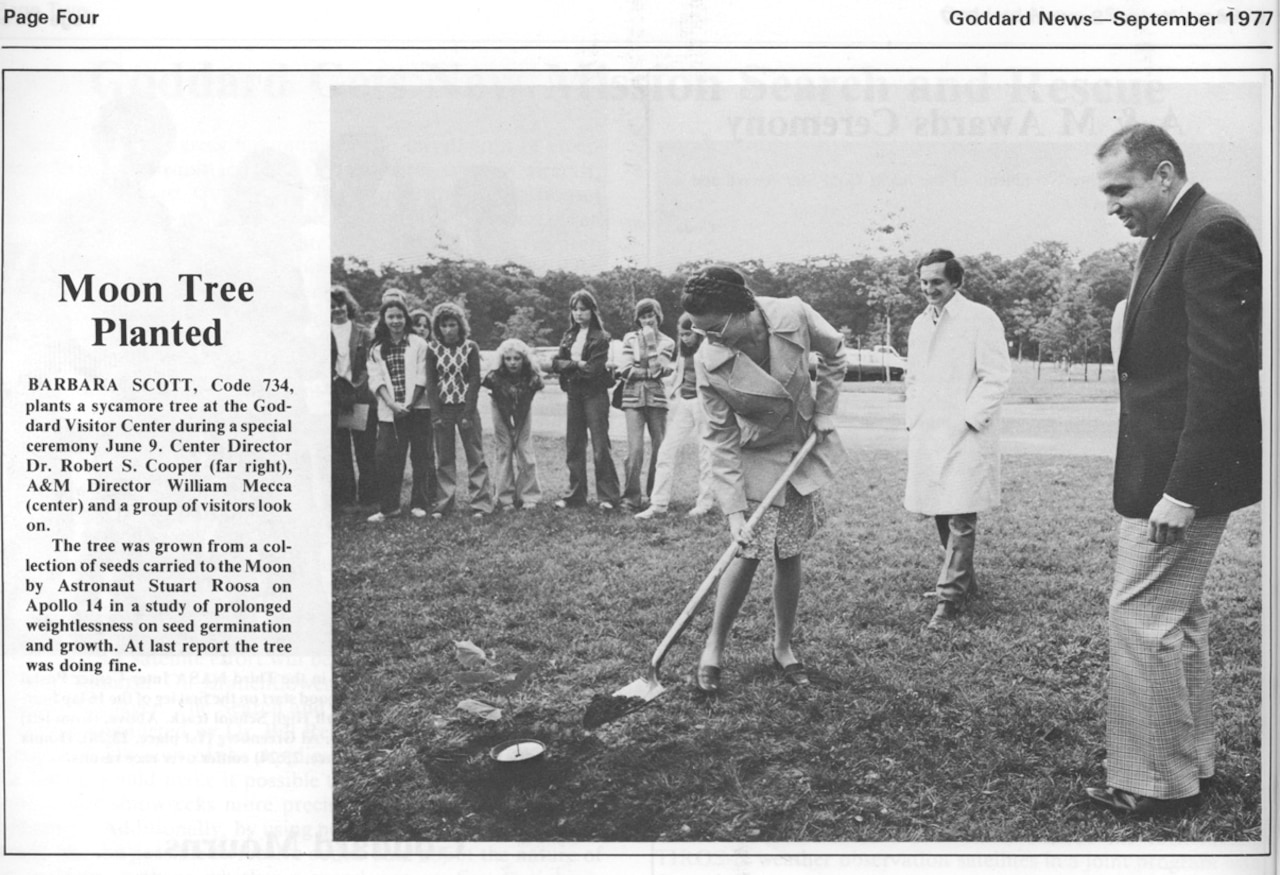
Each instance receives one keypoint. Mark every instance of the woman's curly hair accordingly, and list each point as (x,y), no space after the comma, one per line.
(717,289)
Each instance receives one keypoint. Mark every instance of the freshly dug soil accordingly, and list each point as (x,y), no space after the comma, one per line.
(604,708)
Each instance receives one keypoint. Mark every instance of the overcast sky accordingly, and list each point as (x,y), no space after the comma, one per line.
(586,177)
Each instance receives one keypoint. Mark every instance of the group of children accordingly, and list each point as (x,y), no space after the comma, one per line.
(423,374)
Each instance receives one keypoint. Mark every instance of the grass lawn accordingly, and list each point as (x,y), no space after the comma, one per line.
(989,733)
(1049,384)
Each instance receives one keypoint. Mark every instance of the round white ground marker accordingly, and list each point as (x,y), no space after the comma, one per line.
(518,750)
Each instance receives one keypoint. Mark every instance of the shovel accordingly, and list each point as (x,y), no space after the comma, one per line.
(647,688)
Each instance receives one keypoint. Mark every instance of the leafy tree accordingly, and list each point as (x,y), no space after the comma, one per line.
(987,281)
(481,290)
(526,326)
(890,282)
(556,287)
(1073,325)
(1036,280)
(899,300)
(1107,274)
(762,279)
(1050,305)
(617,294)
(338,269)
(822,282)
(364,284)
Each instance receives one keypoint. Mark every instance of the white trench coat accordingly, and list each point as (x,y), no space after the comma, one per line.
(957,375)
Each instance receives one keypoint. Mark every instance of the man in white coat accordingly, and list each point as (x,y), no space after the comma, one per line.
(957,375)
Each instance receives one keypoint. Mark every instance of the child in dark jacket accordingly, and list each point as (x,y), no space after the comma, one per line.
(514,383)
(582,364)
(453,387)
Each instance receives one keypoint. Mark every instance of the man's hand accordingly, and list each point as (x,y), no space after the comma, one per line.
(1168,522)
(823,425)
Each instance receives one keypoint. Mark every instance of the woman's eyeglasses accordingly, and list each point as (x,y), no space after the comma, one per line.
(715,335)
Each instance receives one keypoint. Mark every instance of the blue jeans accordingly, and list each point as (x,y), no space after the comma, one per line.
(638,419)
(588,413)
(449,418)
(362,444)
(422,456)
(515,468)
(396,440)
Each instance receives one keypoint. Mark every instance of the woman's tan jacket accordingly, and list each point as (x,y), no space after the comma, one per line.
(756,421)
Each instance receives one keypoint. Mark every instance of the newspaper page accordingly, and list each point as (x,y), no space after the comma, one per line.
(255,621)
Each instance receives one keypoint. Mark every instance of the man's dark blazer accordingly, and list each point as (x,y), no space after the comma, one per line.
(1190,411)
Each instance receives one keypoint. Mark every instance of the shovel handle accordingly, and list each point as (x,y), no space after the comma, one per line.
(682,622)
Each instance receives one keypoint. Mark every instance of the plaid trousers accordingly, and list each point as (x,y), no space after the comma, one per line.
(1160,734)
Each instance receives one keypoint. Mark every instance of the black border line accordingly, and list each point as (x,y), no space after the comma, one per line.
(4,682)
(672,48)
(552,70)
(1275,498)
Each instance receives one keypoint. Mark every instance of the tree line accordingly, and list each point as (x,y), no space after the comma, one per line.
(1055,305)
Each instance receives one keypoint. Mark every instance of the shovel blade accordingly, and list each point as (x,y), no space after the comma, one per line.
(642,688)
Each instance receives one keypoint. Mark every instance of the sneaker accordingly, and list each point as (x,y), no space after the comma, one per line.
(437,516)
(699,511)
(479,515)
(650,512)
(378,517)
(508,508)
(418,512)
(606,506)
(533,506)
(561,504)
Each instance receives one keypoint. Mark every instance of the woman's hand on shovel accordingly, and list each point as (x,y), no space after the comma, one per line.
(739,531)
(823,424)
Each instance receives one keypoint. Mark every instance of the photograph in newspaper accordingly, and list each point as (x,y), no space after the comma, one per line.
(579,327)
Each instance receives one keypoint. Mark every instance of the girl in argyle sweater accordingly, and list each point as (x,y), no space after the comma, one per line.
(453,387)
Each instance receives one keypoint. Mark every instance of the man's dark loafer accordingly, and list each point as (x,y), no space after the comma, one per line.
(944,615)
(795,673)
(1126,804)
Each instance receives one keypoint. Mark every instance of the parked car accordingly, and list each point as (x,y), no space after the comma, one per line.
(868,364)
